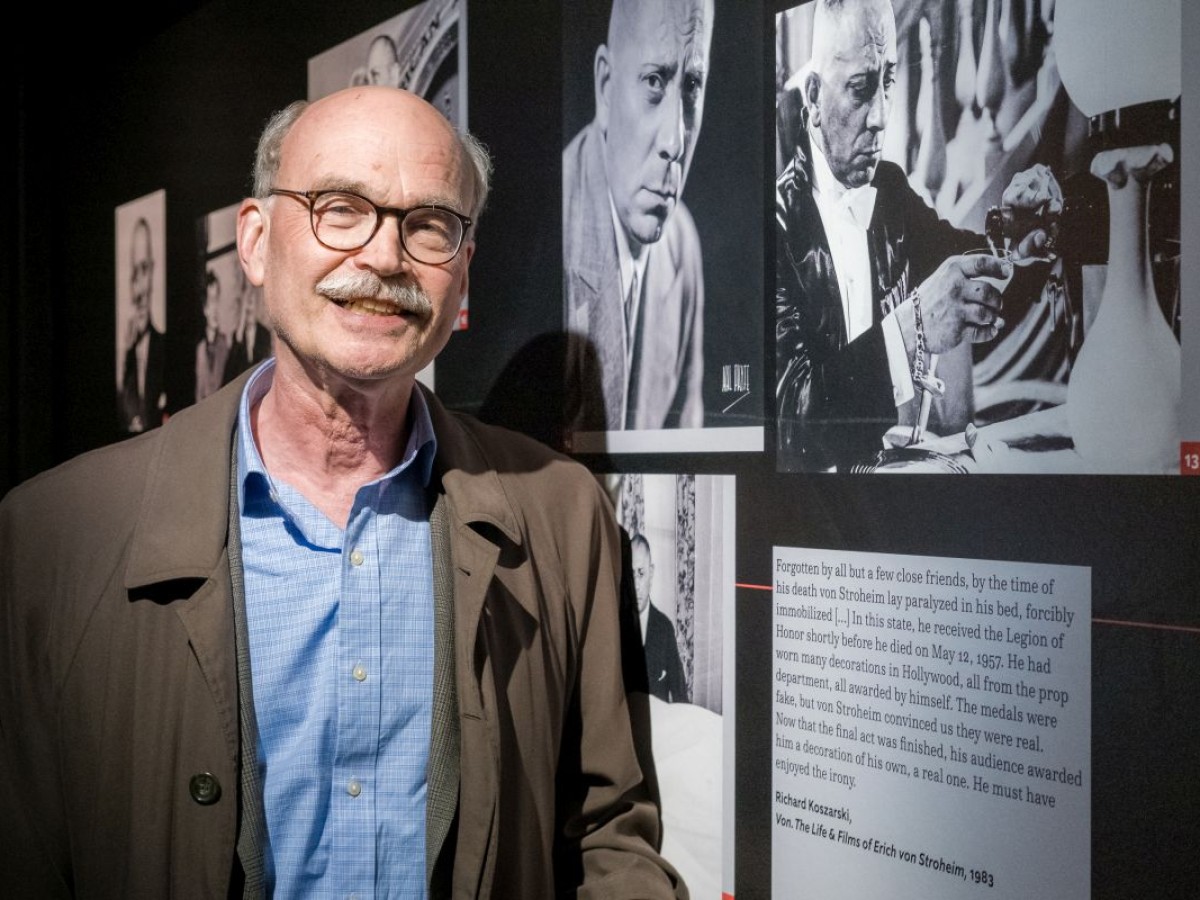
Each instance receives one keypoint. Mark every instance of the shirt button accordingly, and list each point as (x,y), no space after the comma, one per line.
(356,557)
(354,788)
(359,673)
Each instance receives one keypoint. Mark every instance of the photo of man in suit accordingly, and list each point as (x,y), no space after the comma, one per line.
(870,283)
(142,398)
(664,671)
(250,343)
(212,350)
(633,275)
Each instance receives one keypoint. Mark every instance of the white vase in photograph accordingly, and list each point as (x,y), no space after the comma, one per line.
(1123,393)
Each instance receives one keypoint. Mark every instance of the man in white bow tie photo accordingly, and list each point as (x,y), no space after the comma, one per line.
(871,286)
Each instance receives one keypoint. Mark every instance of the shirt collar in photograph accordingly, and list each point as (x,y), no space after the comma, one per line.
(860,201)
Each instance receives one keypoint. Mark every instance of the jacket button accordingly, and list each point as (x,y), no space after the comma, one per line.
(205,789)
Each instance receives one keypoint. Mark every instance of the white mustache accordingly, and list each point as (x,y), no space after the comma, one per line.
(405,295)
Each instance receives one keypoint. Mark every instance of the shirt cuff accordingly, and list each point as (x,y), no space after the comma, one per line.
(897,356)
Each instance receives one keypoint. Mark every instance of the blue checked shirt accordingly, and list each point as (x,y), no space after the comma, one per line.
(341,654)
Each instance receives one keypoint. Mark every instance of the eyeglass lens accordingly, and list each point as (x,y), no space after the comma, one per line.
(347,222)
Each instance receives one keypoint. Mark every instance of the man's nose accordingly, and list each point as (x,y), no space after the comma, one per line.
(671,138)
(877,112)
(384,253)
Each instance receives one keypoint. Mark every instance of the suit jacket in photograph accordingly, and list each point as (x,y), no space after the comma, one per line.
(664,671)
(834,397)
(144,405)
(664,387)
(242,357)
(124,686)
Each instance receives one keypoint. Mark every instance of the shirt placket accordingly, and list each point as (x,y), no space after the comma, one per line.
(358,697)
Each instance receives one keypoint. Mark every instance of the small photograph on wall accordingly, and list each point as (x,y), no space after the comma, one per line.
(663,321)
(232,335)
(681,530)
(977,236)
(141,313)
(423,50)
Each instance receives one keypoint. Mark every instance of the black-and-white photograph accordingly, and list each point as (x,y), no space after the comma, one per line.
(977,237)
(233,335)
(682,567)
(422,50)
(639,290)
(141,312)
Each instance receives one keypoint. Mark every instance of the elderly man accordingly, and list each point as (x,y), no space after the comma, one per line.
(869,282)
(633,272)
(317,635)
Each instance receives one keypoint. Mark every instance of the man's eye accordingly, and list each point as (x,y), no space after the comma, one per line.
(656,84)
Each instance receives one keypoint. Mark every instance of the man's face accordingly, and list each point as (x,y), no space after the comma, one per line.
(396,150)
(643,573)
(851,96)
(141,276)
(382,67)
(650,101)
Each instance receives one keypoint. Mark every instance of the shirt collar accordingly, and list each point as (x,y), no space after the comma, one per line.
(860,201)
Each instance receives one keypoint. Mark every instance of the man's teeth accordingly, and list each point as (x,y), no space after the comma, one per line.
(371,306)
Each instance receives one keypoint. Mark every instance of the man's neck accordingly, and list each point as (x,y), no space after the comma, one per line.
(326,438)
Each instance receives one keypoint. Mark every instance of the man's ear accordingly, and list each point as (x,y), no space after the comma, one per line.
(812,94)
(601,76)
(252,227)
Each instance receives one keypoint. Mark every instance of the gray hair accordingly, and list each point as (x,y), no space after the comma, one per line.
(270,146)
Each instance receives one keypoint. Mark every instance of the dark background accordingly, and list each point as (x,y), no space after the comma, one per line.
(174,98)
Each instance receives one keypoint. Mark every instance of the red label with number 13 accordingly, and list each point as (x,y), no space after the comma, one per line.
(1189,458)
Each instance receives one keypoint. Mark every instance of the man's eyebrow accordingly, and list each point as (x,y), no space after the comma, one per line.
(365,191)
(666,68)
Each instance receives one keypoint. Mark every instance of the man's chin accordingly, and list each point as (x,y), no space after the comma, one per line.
(860,176)
(648,227)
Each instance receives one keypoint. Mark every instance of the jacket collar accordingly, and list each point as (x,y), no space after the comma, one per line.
(467,476)
(182,527)
(597,262)
(184,516)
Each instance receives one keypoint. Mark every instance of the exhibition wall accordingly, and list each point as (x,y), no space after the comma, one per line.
(979,676)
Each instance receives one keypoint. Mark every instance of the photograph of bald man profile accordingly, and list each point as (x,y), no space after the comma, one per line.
(633,269)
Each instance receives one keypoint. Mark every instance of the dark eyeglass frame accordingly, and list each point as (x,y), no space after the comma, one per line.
(311,197)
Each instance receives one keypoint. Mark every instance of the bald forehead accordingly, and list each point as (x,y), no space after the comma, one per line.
(684,20)
(845,31)
(366,133)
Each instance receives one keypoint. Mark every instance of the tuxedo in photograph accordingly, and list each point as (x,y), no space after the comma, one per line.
(663,668)
(241,357)
(662,388)
(143,406)
(834,397)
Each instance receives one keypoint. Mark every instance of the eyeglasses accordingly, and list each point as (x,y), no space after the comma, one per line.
(342,220)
